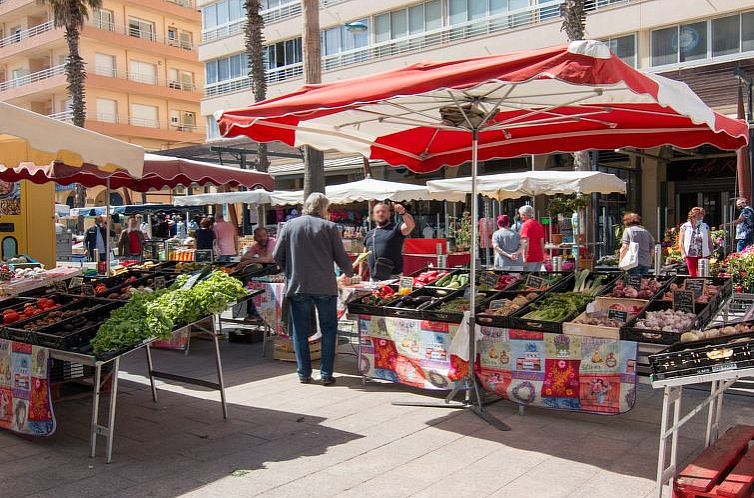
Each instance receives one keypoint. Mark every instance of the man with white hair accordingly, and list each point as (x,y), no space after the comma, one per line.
(532,240)
(306,251)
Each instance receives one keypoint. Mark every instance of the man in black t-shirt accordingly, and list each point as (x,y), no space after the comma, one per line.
(386,241)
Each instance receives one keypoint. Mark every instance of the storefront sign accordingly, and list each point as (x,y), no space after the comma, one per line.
(696,285)
(7,227)
(683,300)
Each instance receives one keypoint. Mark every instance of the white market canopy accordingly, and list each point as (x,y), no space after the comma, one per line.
(367,189)
(28,137)
(531,183)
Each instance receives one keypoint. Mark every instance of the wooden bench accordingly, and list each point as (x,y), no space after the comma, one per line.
(724,469)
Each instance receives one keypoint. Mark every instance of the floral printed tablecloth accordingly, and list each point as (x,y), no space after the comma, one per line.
(584,374)
(557,371)
(25,402)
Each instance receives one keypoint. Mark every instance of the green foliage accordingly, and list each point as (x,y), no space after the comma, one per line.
(566,204)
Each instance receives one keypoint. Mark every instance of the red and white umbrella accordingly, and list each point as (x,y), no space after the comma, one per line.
(560,99)
(434,114)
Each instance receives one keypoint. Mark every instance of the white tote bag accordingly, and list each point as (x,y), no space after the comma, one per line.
(631,258)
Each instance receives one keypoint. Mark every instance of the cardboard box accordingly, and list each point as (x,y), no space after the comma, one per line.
(282,349)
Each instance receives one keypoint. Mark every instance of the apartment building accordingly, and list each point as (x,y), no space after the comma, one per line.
(144,79)
(702,42)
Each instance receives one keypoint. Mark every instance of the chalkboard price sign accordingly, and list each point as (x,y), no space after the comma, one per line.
(87,290)
(76,282)
(159,282)
(406,283)
(683,300)
(498,303)
(203,256)
(60,286)
(535,282)
(621,316)
(696,285)
(633,281)
(488,278)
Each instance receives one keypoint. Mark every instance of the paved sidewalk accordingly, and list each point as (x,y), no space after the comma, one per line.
(288,439)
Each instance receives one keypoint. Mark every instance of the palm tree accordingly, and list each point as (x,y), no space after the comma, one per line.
(70,15)
(574,25)
(255,50)
(314,160)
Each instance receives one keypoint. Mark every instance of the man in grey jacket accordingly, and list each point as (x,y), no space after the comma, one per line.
(306,251)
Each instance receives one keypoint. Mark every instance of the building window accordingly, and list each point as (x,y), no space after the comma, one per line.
(720,37)
(142,72)
(227,68)
(347,37)
(416,19)
(140,28)
(104,65)
(180,80)
(726,35)
(144,115)
(283,53)
(222,13)
(107,110)
(104,19)
(213,131)
(182,120)
(625,48)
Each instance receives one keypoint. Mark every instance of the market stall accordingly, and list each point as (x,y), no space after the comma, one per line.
(431,115)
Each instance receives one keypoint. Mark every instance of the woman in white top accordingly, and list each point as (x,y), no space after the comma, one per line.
(695,240)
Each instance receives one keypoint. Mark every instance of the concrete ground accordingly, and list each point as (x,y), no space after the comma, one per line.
(288,439)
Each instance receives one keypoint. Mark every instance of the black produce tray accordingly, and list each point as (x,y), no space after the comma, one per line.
(361,307)
(724,284)
(563,277)
(432,268)
(253,271)
(517,321)
(71,334)
(664,280)
(18,305)
(630,332)
(394,309)
(720,354)
(19,333)
(434,314)
(503,320)
(169,279)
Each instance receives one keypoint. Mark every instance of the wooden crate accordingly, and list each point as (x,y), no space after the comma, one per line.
(601,304)
(282,349)
(724,469)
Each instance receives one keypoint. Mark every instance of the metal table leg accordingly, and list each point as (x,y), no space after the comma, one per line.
(661,469)
(220,379)
(95,410)
(150,366)
(111,414)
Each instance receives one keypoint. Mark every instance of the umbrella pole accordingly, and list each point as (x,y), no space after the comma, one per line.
(107,227)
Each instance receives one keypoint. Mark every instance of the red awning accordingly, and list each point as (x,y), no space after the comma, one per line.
(159,172)
(561,99)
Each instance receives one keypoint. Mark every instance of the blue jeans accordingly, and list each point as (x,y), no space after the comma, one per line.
(639,270)
(301,314)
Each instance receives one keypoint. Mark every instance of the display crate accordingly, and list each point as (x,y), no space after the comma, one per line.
(501,321)
(719,354)
(632,333)
(603,304)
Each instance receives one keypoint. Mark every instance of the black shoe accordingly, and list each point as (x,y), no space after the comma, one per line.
(327,381)
(305,380)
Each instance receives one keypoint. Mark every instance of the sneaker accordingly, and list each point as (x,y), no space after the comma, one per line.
(305,380)
(327,381)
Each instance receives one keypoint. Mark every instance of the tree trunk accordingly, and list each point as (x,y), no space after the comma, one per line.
(314,163)
(574,25)
(75,74)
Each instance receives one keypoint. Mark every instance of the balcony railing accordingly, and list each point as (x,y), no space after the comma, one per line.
(544,12)
(25,34)
(100,117)
(28,79)
(144,34)
(184,3)
(145,79)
